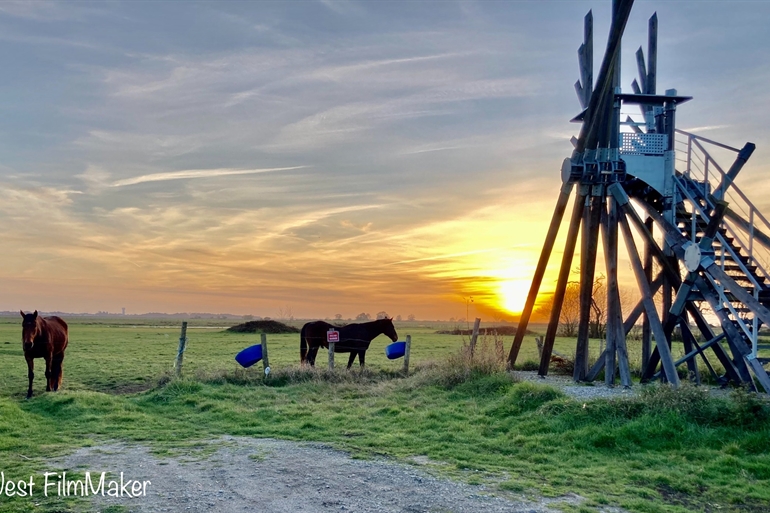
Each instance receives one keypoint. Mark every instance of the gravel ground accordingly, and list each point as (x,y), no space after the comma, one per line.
(580,391)
(265,475)
(597,389)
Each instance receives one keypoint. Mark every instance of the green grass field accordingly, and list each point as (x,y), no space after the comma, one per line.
(662,452)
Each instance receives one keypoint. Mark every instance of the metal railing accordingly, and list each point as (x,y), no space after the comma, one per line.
(745,223)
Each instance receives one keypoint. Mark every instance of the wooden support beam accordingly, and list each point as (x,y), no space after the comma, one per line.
(537,279)
(591,223)
(734,339)
(597,367)
(620,333)
(705,328)
(688,343)
(699,350)
(729,177)
(655,324)
(610,239)
(760,373)
(561,284)
(646,333)
(616,334)
(670,272)
(638,309)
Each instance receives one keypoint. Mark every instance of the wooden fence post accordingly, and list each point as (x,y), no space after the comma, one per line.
(331,356)
(180,352)
(475,335)
(406,354)
(265,361)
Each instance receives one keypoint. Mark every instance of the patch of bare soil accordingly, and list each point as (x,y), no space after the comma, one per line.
(265,475)
(269,327)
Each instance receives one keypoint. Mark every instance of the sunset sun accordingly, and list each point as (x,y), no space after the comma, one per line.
(513,295)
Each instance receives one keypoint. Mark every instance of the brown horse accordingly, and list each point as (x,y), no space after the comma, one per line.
(353,339)
(44,338)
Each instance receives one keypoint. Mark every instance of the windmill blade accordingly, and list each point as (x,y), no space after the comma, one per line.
(642,68)
(593,119)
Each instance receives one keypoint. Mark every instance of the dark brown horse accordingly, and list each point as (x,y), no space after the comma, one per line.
(354,338)
(44,338)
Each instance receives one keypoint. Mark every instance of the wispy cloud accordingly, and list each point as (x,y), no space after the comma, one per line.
(197,173)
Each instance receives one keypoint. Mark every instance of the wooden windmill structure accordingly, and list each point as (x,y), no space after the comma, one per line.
(629,177)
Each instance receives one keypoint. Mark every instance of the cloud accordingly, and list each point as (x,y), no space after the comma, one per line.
(197,173)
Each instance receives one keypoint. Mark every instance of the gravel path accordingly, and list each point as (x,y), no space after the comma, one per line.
(582,391)
(597,389)
(265,475)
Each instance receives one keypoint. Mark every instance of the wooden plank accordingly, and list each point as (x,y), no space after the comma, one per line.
(591,218)
(646,333)
(597,367)
(642,69)
(638,309)
(734,338)
(699,350)
(588,43)
(652,54)
(760,373)
(687,342)
(620,333)
(708,333)
(537,279)
(729,177)
(610,239)
(621,197)
(331,356)
(655,324)
(561,284)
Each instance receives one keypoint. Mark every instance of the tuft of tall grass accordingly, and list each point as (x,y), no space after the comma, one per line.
(486,360)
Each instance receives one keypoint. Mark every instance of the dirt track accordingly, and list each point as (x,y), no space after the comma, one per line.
(243,474)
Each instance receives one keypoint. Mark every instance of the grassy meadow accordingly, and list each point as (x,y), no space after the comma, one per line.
(662,451)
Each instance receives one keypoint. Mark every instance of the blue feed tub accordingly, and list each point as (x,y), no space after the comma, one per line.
(395,350)
(249,356)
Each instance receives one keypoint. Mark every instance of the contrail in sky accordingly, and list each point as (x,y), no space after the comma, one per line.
(196,173)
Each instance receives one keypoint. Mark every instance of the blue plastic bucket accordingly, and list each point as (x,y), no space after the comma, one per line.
(249,356)
(395,350)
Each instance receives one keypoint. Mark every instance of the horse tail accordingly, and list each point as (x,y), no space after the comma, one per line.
(302,346)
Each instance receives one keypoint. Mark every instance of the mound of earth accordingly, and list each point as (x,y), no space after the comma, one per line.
(492,330)
(263,327)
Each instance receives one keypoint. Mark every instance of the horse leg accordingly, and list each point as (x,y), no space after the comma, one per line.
(30,374)
(311,354)
(48,377)
(362,357)
(351,359)
(58,371)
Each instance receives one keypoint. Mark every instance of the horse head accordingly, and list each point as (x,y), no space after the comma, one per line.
(30,329)
(388,329)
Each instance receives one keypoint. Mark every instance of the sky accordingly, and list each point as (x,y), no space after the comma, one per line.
(321,157)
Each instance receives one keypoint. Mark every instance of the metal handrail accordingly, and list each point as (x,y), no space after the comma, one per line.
(697,154)
(725,246)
